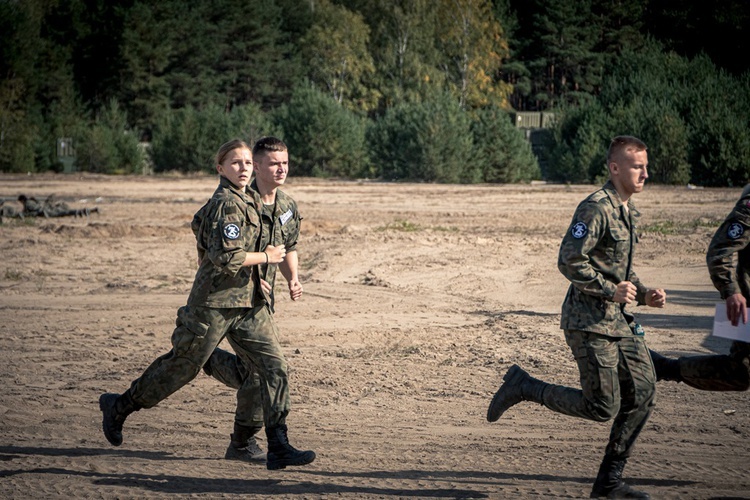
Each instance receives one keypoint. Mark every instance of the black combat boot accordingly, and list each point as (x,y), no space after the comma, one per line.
(281,453)
(115,409)
(609,483)
(518,386)
(666,368)
(244,446)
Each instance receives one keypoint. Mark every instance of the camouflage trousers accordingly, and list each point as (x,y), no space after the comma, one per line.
(617,381)
(718,372)
(229,370)
(253,335)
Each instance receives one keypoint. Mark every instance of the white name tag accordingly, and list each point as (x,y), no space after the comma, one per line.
(285,217)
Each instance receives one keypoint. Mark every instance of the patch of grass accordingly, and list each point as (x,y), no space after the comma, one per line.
(669,227)
(401,225)
(13,275)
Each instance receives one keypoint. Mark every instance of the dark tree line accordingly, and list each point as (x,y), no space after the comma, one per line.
(392,89)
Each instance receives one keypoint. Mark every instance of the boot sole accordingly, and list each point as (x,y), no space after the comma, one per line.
(282,463)
(103,406)
(493,412)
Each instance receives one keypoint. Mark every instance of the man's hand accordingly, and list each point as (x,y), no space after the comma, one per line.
(275,254)
(625,293)
(736,309)
(656,297)
(265,286)
(295,289)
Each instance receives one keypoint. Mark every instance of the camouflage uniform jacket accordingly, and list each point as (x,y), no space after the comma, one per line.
(280,229)
(32,207)
(226,228)
(733,236)
(595,255)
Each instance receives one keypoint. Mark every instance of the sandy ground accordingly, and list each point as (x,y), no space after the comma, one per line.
(418,297)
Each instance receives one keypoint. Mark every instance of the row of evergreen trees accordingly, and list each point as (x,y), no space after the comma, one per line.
(392,89)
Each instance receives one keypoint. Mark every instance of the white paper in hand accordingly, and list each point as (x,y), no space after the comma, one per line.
(723,328)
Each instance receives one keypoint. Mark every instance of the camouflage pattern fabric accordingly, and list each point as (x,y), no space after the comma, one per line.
(722,372)
(617,380)
(228,369)
(253,336)
(32,208)
(280,224)
(221,305)
(595,255)
(54,208)
(7,211)
(617,374)
(226,228)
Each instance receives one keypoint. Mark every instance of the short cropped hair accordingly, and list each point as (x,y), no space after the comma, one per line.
(268,144)
(624,143)
(227,148)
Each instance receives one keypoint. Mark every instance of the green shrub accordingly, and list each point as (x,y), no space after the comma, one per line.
(186,139)
(324,138)
(500,148)
(427,141)
(108,146)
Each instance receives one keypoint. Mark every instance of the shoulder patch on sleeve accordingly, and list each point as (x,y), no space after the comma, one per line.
(579,230)
(231,231)
(735,230)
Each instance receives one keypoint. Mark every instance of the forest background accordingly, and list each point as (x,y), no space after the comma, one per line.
(419,90)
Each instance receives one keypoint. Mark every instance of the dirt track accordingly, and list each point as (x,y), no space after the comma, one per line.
(417,299)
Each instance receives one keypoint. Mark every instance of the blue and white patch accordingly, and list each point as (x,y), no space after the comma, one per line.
(285,217)
(735,230)
(579,230)
(232,231)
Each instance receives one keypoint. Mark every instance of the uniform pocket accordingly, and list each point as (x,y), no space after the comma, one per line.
(189,329)
(621,237)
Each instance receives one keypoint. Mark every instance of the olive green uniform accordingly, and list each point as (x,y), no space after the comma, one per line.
(280,225)
(224,302)
(726,372)
(617,376)
(7,211)
(31,207)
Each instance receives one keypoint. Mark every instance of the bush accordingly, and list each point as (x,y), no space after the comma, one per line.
(679,107)
(324,138)
(108,146)
(187,139)
(500,148)
(428,141)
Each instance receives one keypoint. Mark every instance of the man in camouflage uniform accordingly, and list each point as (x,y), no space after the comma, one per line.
(31,207)
(225,300)
(8,212)
(52,208)
(55,208)
(617,376)
(280,225)
(722,372)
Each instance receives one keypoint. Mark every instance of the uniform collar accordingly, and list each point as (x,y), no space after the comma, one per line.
(226,183)
(614,198)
